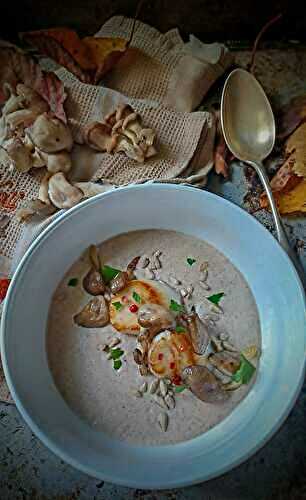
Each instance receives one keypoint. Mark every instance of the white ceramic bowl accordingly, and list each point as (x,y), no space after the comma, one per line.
(281,306)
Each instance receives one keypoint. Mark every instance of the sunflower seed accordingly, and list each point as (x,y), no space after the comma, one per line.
(228,346)
(250,352)
(163,388)
(204,285)
(143,388)
(157,253)
(115,341)
(137,394)
(216,309)
(189,289)
(170,402)
(109,355)
(159,401)
(143,370)
(143,262)
(204,275)
(217,344)
(153,386)
(170,392)
(167,381)
(173,280)
(163,421)
(107,296)
(203,266)
(183,292)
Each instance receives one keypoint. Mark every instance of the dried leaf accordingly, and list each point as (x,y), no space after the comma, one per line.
(20,67)
(291,116)
(296,147)
(105,52)
(294,201)
(65,47)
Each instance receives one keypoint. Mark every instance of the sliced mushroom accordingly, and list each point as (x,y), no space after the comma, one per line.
(58,162)
(93,282)
(154,316)
(119,282)
(132,123)
(131,267)
(19,154)
(62,193)
(98,135)
(94,315)
(227,362)
(203,384)
(117,129)
(198,333)
(43,193)
(94,257)
(50,134)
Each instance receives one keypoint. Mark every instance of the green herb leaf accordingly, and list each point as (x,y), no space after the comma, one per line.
(73,282)
(116,353)
(190,261)
(215,299)
(117,364)
(174,306)
(117,305)
(180,329)
(108,273)
(244,372)
(136,297)
(180,388)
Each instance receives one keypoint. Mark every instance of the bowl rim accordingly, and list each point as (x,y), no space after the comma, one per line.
(60,450)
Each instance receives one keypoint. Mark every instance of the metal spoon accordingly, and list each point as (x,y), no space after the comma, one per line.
(249,130)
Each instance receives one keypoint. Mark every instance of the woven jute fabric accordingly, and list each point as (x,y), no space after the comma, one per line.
(145,78)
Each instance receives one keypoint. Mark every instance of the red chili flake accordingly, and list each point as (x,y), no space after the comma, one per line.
(125,299)
(4,284)
(9,201)
(172,365)
(160,356)
(177,380)
(133,308)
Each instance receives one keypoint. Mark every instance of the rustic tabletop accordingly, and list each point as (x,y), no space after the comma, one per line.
(29,471)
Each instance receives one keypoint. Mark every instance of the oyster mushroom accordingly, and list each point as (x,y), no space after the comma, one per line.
(50,134)
(203,384)
(198,333)
(93,282)
(58,162)
(155,317)
(131,150)
(117,129)
(119,282)
(43,193)
(226,362)
(62,194)
(98,135)
(94,315)
(19,154)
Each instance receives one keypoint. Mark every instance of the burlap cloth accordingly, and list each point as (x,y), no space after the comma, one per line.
(164,80)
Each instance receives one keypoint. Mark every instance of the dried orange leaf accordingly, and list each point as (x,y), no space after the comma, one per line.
(296,147)
(67,38)
(293,202)
(105,52)
(283,181)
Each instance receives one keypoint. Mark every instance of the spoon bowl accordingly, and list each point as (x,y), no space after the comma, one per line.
(247,117)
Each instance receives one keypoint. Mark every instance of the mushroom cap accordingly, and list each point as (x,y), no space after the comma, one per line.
(50,134)
(94,314)
(62,194)
(203,384)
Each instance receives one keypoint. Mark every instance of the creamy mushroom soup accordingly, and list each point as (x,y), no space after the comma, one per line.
(153,337)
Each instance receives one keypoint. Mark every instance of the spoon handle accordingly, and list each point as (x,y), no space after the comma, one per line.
(280,230)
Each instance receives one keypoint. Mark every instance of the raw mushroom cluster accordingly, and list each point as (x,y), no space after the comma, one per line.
(122,131)
(31,137)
